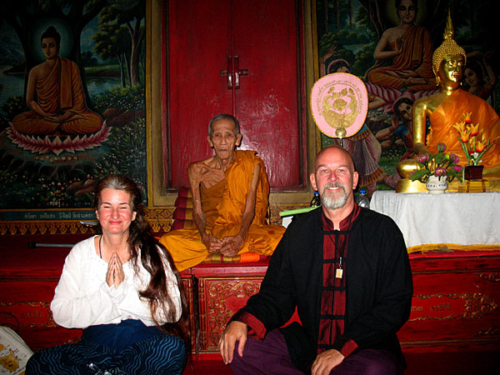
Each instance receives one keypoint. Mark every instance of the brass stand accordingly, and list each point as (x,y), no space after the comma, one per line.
(476,186)
(408,186)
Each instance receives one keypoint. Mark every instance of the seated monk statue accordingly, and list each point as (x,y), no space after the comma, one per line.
(55,96)
(446,108)
(230,200)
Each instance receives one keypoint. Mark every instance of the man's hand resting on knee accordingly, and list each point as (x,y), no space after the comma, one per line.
(235,331)
(326,361)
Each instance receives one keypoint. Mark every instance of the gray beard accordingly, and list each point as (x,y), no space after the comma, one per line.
(330,202)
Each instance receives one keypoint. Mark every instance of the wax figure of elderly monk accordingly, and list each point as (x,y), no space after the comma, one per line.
(346,270)
(230,200)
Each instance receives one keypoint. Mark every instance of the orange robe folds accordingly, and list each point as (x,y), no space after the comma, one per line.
(60,92)
(415,56)
(223,205)
(450,112)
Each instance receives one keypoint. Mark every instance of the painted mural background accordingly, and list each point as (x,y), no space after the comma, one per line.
(57,170)
(106,40)
(349,32)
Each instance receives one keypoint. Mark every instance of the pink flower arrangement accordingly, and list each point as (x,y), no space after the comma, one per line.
(440,165)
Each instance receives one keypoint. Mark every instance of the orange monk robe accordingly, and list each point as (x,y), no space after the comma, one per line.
(57,93)
(450,112)
(223,205)
(416,56)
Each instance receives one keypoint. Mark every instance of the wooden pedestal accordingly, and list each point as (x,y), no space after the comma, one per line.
(222,290)
(456,301)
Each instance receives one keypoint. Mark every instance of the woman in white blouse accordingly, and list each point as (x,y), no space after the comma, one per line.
(123,290)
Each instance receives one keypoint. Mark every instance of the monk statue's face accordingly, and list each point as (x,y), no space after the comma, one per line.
(451,71)
(50,48)
(223,138)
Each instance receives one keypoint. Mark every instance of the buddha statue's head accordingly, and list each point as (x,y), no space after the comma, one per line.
(449,59)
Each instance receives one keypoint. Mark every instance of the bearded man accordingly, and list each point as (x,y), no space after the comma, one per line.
(345,269)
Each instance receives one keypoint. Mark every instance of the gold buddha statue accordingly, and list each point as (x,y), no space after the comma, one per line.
(446,108)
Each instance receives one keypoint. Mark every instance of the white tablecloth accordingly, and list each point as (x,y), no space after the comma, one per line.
(462,221)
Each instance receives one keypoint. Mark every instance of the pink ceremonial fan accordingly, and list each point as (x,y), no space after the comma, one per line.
(339,104)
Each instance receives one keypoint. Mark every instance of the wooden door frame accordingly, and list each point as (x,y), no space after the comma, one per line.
(157,115)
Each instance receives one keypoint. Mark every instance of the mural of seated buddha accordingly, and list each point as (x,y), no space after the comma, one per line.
(55,98)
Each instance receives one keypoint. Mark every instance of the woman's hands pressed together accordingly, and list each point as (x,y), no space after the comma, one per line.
(115,274)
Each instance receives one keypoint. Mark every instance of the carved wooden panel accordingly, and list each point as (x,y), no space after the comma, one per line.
(219,299)
(456,302)
(25,307)
(187,283)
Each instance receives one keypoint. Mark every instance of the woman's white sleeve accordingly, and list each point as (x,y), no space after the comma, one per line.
(77,302)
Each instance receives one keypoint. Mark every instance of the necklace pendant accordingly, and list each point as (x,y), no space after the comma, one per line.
(338,273)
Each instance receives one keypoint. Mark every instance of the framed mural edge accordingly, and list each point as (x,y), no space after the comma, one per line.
(156,98)
(48,176)
(160,196)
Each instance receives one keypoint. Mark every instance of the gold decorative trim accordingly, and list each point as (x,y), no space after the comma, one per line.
(491,331)
(476,305)
(41,308)
(43,227)
(490,276)
(160,220)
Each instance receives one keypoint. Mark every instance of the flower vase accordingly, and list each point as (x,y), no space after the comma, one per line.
(436,185)
(473,172)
